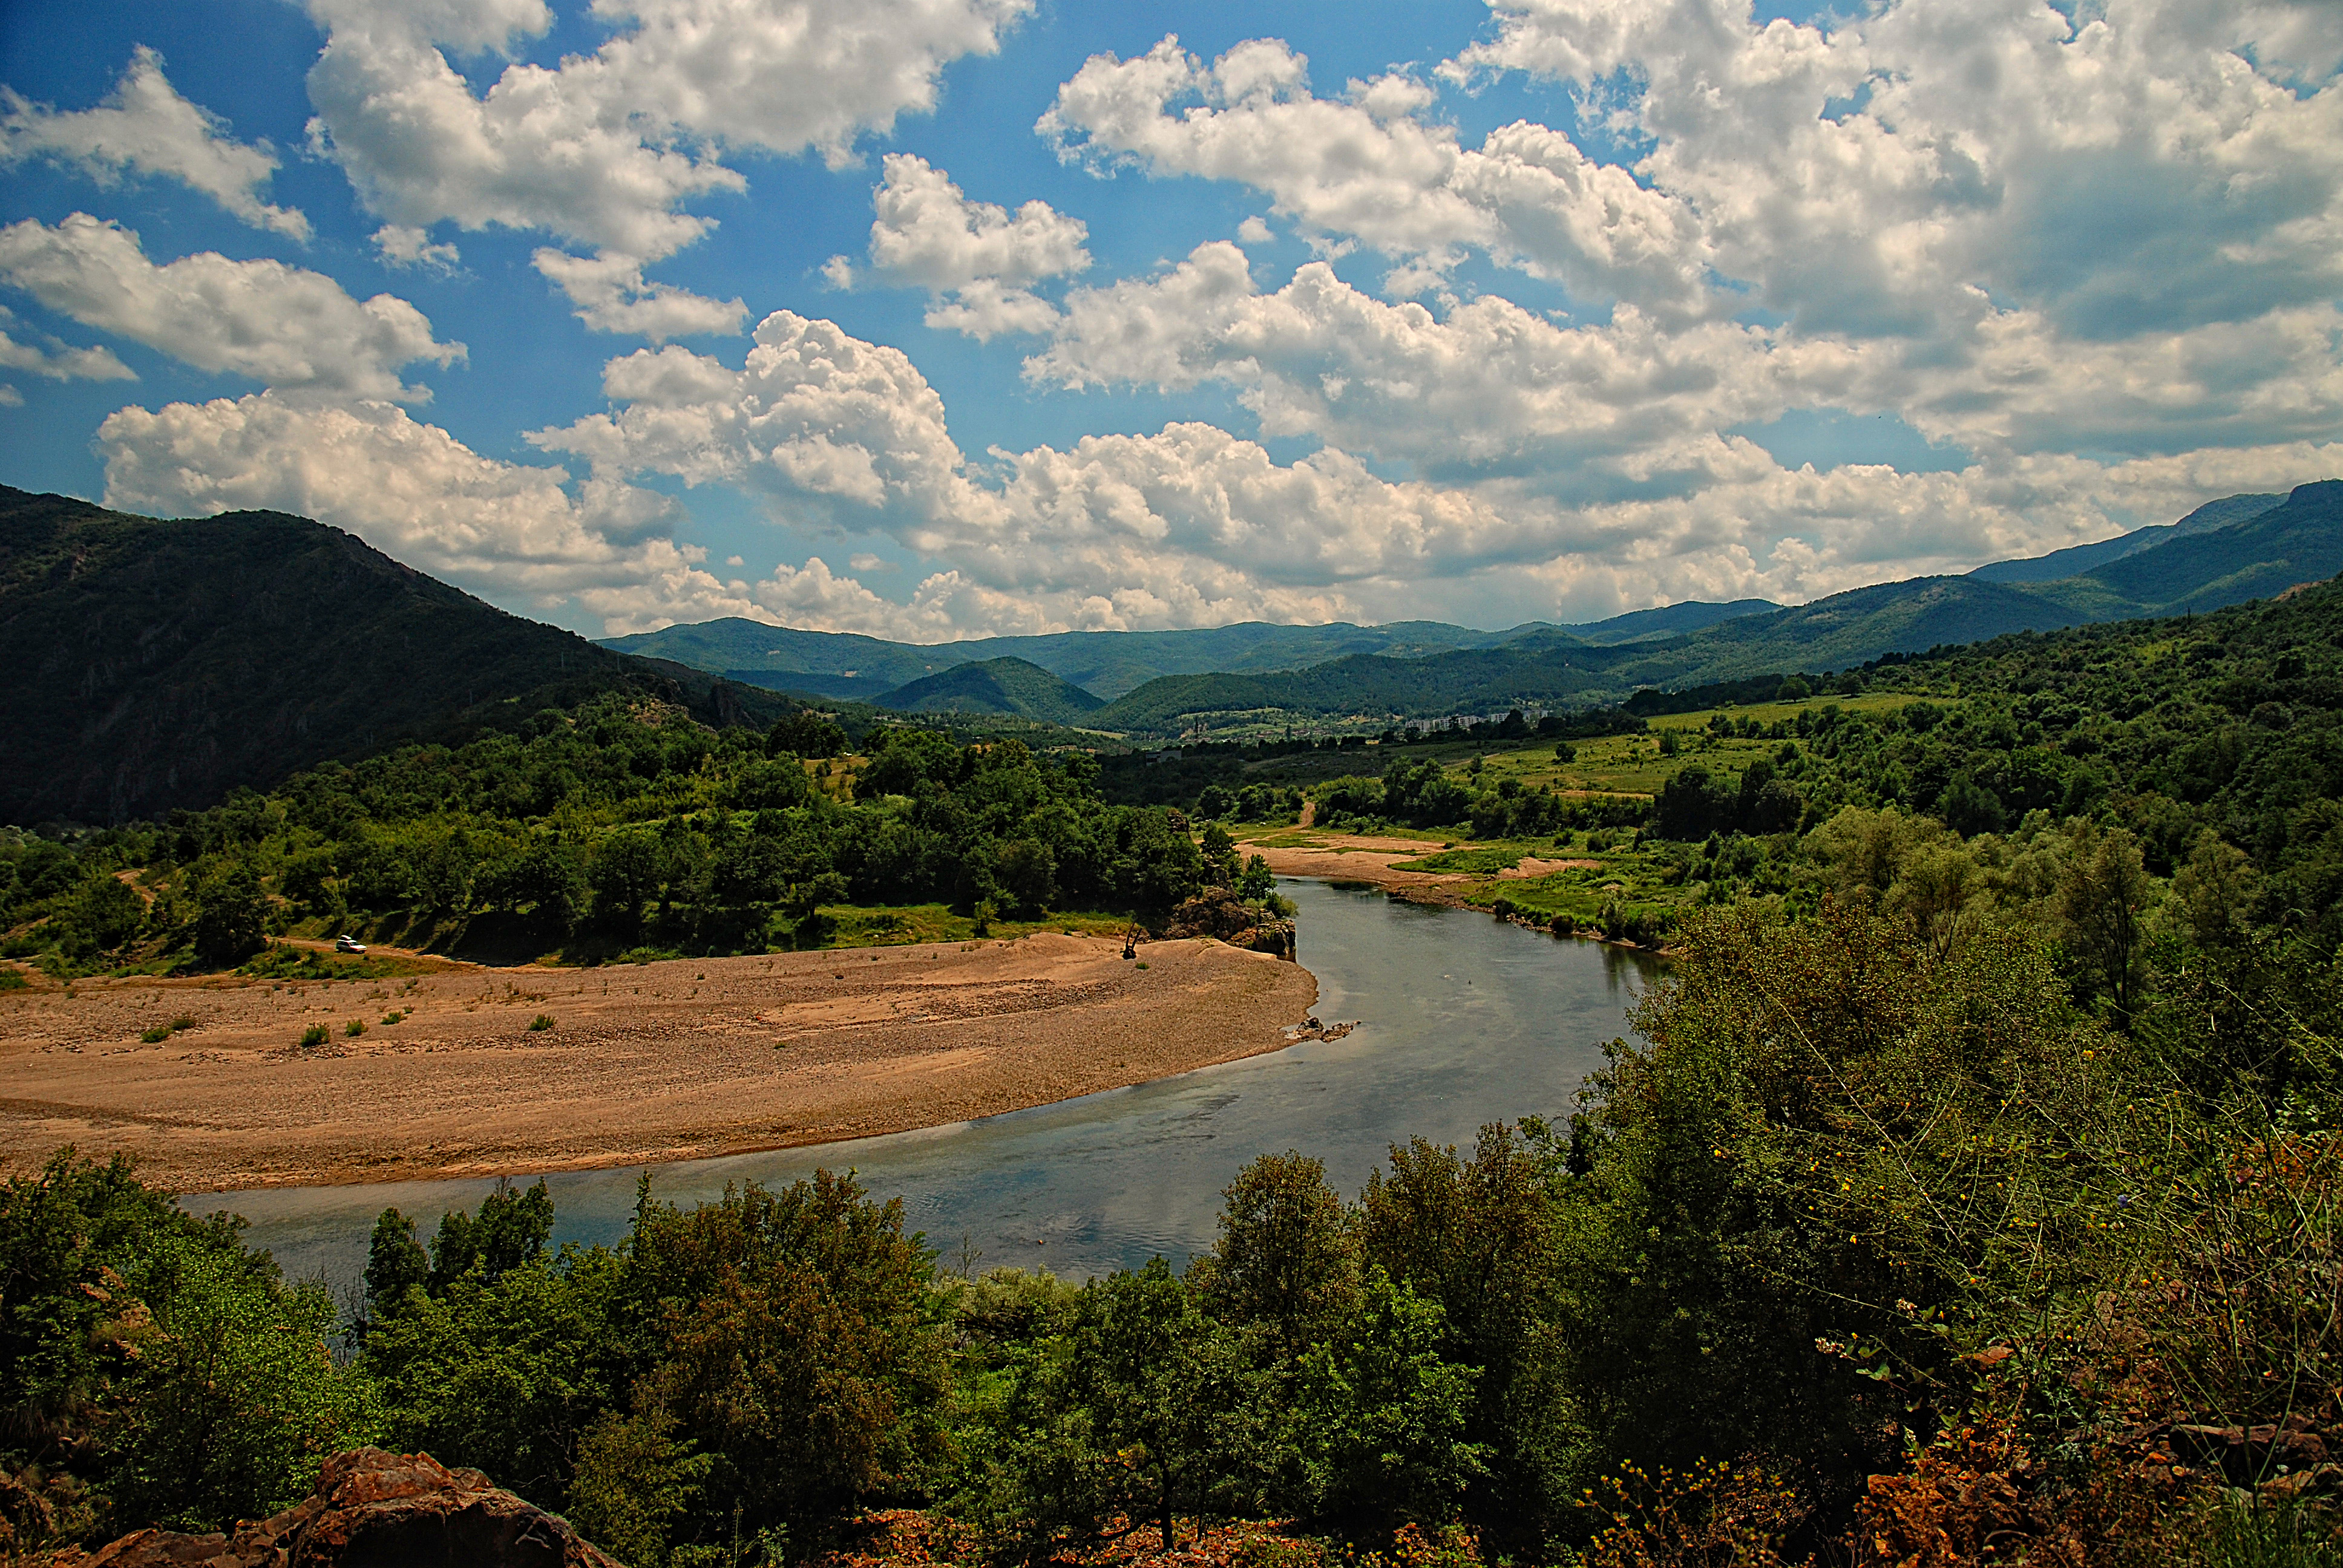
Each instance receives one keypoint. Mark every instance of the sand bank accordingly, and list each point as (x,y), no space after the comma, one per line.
(671,1061)
(1366,858)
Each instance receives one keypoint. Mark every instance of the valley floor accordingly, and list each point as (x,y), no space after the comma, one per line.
(639,1063)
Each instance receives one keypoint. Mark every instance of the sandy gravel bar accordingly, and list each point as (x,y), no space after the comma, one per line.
(1363,857)
(671,1060)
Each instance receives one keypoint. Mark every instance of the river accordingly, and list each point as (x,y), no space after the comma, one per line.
(1461,1019)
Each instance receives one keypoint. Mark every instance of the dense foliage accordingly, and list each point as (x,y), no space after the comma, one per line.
(1865,1179)
(613,826)
(1980,1145)
(153,665)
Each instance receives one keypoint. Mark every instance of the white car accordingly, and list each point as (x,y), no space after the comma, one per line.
(348,945)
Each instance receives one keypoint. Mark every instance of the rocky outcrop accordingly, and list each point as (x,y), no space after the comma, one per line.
(375,1510)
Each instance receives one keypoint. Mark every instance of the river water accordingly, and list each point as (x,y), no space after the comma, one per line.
(1461,1019)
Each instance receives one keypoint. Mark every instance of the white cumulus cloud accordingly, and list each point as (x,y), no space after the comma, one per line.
(409,488)
(59,362)
(295,330)
(976,259)
(604,150)
(611,297)
(145,128)
(403,245)
(1368,164)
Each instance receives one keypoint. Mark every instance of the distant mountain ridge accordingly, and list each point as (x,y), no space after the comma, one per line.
(1106,664)
(153,664)
(1156,683)
(2298,539)
(2076,560)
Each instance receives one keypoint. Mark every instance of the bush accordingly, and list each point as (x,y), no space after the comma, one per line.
(156,1035)
(234,1401)
(314,1035)
(541,1024)
(355,1027)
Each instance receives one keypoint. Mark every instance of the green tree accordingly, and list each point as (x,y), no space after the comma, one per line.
(1169,1392)
(510,1230)
(231,917)
(504,1372)
(1258,882)
(798,1346)
(635,1480)
(2103,899)
(1381,1415)
(396,1263)
(105,913)
(1220,855)
(1283,1257)
(234,1400)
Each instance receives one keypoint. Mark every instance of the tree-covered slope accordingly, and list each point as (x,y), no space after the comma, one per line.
(158,664)
(1108,663)
(1004,686)
(2274,548)
(2080,558)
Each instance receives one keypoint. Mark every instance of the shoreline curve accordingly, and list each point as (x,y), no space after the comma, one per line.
(684,1059)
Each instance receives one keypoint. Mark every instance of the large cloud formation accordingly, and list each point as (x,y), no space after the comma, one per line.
(294,329)
(145,128)
(2092,262)
(605,149)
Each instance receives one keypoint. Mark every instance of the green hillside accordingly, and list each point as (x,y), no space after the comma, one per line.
(846,665)
(2300,539)
(2080,558)
(1002,686)
(1107,663)
(159,664)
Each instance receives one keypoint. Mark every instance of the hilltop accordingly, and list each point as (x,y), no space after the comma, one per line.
(1012,686)
(157,664)
(1110,664)
(2297,539)
(1260,678)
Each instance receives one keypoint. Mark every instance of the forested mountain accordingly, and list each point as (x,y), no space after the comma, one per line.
(1002,686)
(2300,539)
(1109,663)
(154,664)
(2080,558)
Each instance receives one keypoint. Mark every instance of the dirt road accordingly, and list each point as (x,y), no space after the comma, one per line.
(661,1062)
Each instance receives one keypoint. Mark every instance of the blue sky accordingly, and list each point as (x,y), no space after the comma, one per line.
(934,318)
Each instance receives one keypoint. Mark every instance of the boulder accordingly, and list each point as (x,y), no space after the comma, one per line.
(372,1509)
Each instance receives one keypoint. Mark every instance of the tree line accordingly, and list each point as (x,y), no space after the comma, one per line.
(626,824)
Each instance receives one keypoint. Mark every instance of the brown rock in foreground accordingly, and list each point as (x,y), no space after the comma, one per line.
(375,1510)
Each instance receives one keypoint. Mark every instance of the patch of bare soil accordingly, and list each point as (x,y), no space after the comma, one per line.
(1361,857)
(643,1064)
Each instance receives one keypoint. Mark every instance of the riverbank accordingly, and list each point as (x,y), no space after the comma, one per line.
(636,1063)
(1547,889)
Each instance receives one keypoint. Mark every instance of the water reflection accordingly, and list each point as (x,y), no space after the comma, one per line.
(1461,1019)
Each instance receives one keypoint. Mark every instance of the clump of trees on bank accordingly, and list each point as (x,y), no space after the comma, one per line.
(608,828)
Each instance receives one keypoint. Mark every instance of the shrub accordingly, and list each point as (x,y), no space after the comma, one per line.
(355,1027)
(541,1024)
(182,1021)
(156,1035)
(314,1035)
